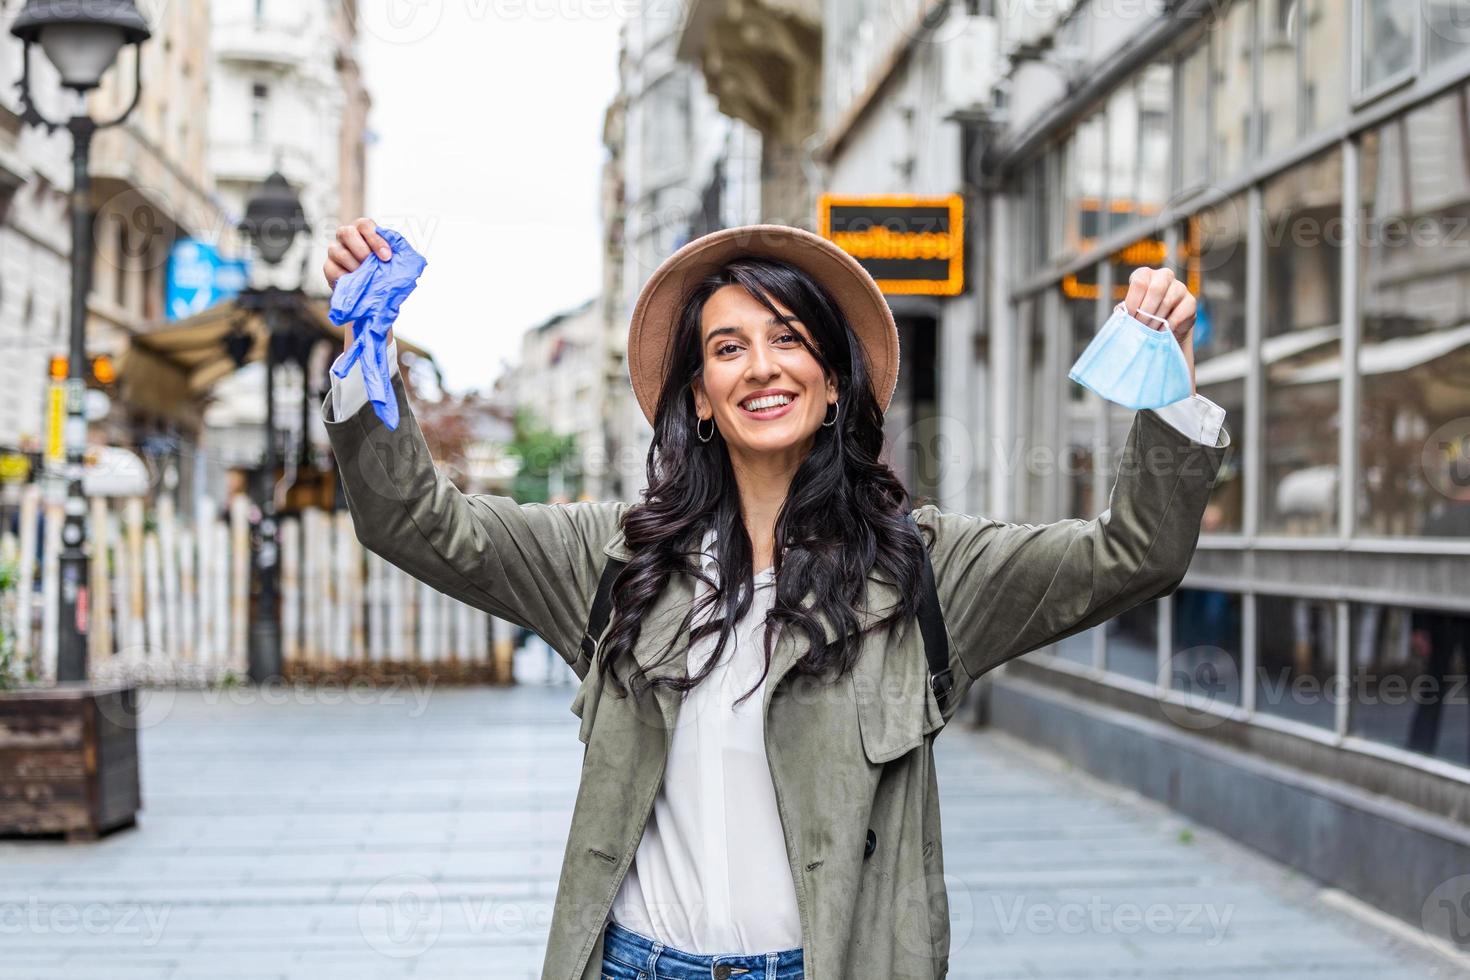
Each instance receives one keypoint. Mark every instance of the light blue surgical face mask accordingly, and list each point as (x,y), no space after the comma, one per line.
(1133,364)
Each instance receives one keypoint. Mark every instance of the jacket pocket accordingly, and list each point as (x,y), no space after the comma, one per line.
(896,708)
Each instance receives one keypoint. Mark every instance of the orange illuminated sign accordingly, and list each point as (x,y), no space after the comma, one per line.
(909,245)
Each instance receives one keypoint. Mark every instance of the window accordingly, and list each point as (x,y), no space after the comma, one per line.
(259,104)
(1194,103)
(1133,643)
(1084,182)
(1204,652)
(1447,34)
(1036,388)
(665,137)
(1155,112)
(1409,679)
(1386,44)
(1301,344)
(1280,52)
(1079,409)
(1296,659)
(1138,146)
(1304,50)
(1234,89)
(1035,197)
(1414,288)
(1323,30)
(120,266)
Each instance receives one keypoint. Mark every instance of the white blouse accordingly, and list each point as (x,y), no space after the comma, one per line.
(711,873)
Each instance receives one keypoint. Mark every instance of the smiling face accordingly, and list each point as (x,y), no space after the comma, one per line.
(765,391)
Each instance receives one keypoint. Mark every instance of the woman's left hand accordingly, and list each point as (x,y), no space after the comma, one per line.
(1159,293)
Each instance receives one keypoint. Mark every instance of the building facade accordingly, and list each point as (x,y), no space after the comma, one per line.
(150,186)
(1301,165)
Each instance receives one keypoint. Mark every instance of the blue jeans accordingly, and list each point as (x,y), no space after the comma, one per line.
(627,955)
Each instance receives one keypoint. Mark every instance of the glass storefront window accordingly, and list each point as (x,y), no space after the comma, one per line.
(1234,88)
(1386,42)
(1195,93)
(1211,260)
(1204,657)
(1414,473)
(1302,232)
(1133,643)
(1296,659)
(1410,687)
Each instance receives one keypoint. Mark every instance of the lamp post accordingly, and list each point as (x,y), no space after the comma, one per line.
(273,220)
(81,40)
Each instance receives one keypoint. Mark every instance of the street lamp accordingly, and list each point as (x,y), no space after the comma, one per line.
(82,40)
(273,220)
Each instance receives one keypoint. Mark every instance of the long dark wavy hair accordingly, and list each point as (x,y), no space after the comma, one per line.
(845,514)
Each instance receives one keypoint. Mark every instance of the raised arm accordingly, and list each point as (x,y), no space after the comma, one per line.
(1007,589)
(536,565)
(532,564)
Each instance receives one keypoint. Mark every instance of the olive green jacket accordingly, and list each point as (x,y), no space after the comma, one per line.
(848,756)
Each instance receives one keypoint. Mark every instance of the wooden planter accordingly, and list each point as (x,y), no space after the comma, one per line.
(69,760)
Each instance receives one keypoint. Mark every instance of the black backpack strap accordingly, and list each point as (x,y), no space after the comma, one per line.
(931,626)
(601,607)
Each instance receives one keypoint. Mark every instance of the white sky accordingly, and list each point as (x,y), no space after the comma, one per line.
(488,117)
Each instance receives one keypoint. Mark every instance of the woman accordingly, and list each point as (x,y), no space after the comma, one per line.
(757,793)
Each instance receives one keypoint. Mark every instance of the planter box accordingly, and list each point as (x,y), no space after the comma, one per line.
(69,760)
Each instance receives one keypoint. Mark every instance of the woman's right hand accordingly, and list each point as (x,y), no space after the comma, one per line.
(354,243)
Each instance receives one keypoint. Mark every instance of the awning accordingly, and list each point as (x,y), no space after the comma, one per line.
(189,357)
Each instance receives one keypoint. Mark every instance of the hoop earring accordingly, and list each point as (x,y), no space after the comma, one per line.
(835,411)
(702,437)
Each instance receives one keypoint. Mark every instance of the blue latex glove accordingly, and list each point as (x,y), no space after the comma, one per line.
(1134,364)
(370,295)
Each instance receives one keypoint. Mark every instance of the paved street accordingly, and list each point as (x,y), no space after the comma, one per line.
(391,835)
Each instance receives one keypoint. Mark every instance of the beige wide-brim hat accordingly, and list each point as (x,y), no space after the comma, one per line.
(848,283)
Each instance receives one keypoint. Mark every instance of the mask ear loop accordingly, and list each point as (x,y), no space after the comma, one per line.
(1163,320)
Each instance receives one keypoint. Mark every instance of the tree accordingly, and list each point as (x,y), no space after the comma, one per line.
(546,459)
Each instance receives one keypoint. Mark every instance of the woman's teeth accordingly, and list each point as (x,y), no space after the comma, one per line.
(768,401)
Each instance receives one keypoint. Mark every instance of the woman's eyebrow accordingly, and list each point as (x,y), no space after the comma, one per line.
(771,322)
